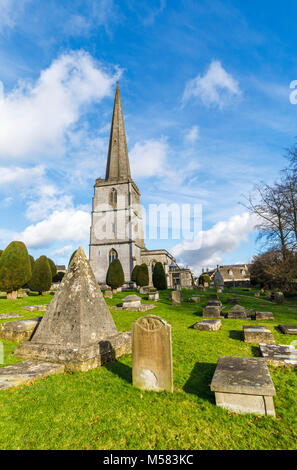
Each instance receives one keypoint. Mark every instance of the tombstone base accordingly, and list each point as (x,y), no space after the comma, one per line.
(19,330)
(243,385)
(81,358)
(243,404)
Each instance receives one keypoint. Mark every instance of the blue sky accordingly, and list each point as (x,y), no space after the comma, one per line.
(205,88)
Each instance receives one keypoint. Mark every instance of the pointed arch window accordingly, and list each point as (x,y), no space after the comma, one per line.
(113,254)
(113,197)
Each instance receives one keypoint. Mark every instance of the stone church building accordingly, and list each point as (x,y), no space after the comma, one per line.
(117,230)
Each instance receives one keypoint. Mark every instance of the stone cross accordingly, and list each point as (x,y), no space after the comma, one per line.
(152,354)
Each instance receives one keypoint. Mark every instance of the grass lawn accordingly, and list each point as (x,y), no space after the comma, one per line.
(100,409)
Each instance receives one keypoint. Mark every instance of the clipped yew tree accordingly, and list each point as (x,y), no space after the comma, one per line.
(41,279)
(159,277)
(142,276)
(115,275)
(15,268)
(32,261)
(53,267)
(134,273)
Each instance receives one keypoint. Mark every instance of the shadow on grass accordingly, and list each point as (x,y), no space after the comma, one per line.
(255,351)
(121,370)
(199,381)
(236,334)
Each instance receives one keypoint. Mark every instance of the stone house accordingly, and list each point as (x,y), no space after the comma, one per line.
(233,274)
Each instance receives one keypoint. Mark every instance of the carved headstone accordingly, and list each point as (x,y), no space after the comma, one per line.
(152,354)
(176,297)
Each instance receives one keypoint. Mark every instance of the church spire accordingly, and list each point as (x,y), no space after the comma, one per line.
(118,166)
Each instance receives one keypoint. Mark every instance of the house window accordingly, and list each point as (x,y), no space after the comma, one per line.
(113,254)
(113,197)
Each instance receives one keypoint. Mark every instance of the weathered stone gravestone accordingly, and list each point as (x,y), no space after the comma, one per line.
(4,316)
(279,354)
(108,294)
(243,385)
(257,294)
(208,325)
(19,330)
(279,297)
(36,308)
(77,329)
(219,290)
(218,280)
(194,300)
(288,329)
(237,313)
(211,311)
(27,371)
(176,297)
(153,296)
(131,301)
(257,334)
(264,316)
(144,290)
(152,354)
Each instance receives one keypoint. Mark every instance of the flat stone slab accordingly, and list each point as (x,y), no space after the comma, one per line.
(22,372)
(194,299)
(141,308)
(257,334)
(264,316)
(19,330)
(288,329)
(237,313)
(4,316)
(36,308)
(279,354)
(208,325)
(81,358)
(243,385)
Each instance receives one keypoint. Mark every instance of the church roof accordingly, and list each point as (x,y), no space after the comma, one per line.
(118,166)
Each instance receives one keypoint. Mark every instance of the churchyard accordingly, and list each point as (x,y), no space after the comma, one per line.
(100,408)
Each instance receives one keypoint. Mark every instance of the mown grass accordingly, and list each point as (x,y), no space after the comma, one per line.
(100,409)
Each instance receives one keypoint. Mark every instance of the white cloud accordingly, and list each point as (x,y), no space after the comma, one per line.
(192,135)
(223,237)
(148,158)
(63,251)
(20,176)
(36,117)
(10,11)
(47,198)
(67,225)
(216,88)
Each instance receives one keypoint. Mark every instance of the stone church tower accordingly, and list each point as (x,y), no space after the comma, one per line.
(116,230)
